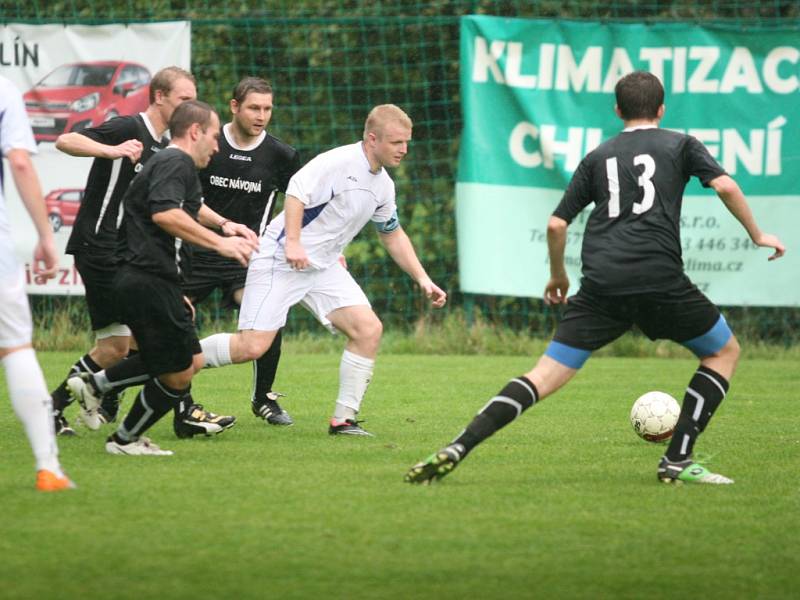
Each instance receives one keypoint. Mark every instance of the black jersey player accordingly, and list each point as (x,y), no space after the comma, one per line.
(241,183)
(632,274)
(163,208)
(120,148)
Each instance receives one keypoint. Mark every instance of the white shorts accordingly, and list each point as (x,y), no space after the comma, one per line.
(270,291)
(16,326)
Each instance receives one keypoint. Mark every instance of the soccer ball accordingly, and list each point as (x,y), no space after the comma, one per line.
(654,416)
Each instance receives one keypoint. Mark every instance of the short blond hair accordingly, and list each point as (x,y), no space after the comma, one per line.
(383,114)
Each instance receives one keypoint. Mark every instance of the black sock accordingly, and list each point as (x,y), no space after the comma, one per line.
(124,374)
(61,396)
(518,395)
(705,393)
(153,402)
(265,368)
(183,406)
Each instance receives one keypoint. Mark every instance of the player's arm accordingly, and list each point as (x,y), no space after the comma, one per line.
(45,255)
(77,144)
(178,223)
(555,292)
(733,198)
(210,218)
(293,210)
(402,252)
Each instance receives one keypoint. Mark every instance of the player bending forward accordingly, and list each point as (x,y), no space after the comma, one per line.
(632,274)
(328,202)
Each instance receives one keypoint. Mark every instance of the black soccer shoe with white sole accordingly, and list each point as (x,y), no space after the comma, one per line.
(198,421)
(271,411)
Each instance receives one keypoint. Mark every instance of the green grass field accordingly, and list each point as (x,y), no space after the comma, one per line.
(564,503)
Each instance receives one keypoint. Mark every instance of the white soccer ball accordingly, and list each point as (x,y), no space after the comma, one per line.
(654,416)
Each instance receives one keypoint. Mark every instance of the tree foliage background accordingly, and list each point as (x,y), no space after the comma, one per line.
(330,61)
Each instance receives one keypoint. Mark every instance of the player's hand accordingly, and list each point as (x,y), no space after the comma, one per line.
(555,292)
(45,258)
(131,149)
(190,307)
(767,240)
(437,295)
(229,228)
(296,255)
(236,248)
(342,260)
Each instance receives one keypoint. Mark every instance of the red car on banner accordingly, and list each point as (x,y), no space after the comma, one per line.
(62,206)
(81,95)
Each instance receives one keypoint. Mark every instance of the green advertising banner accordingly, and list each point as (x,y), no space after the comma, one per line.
(538,96)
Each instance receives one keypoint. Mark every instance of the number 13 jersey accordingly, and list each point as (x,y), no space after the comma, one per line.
(636,180)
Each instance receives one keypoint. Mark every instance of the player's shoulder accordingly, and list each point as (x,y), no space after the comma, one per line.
(8,88)
(279,146)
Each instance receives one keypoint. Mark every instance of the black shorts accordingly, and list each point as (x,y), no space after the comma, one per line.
(97,272)
(227,275)
(160,321)
(591,320)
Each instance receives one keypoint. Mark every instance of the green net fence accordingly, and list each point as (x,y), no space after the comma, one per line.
(331,61)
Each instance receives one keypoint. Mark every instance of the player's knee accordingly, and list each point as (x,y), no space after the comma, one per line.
(370,330)
(198,362)
(178,381)
(731,350)
(253,347)
(111,350)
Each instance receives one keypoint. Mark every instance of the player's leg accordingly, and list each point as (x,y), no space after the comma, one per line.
(363,330)
(263,401)
(111,338)
(589,323)
(718,351)
(167,342)
(190,418)
(340,304)
(27,388)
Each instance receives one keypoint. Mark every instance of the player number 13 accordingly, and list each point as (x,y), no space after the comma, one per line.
(644,181)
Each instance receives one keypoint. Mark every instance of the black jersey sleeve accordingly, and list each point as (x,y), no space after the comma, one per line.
(170,183)
(699,163)
(288,168)
(578,194)
(114,131)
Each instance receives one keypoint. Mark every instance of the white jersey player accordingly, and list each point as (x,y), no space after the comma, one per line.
(26,384)
(328,202)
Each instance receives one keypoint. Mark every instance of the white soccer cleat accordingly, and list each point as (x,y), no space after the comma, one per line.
(88,399)
(141,447)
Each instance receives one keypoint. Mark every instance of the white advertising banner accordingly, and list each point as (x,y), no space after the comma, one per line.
(73,77)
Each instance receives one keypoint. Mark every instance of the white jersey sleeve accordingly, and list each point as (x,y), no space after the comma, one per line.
(313,184)
(387,206)
(15,128)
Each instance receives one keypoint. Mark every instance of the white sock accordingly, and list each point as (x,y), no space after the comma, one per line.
(217,350)
(355,373)
(33,406)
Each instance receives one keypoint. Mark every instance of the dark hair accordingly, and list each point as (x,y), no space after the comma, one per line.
(166,78)
(250,84)
(187,114)
(639,96)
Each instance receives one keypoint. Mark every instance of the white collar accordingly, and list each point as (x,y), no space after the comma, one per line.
(627,129)
(229,137)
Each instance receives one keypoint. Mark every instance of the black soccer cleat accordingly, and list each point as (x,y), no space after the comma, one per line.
(436,466)
(271,411)
(62,426)
(198,421)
